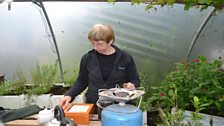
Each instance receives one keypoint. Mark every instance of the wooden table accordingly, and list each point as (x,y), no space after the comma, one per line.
(31,121)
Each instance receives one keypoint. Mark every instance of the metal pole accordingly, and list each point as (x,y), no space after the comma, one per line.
(41,5)
(198,32)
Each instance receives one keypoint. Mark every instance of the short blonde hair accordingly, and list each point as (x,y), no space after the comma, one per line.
(101,32)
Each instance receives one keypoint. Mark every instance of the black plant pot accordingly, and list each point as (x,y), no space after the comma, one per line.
(2,78)
(59,90)
(153,118)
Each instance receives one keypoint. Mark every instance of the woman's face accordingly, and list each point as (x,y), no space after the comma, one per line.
(101,46)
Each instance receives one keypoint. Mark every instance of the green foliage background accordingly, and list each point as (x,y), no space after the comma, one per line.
(202,4)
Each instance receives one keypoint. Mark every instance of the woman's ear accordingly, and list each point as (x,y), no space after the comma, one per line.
(111,42)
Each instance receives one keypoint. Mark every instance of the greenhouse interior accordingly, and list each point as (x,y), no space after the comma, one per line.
(172,60)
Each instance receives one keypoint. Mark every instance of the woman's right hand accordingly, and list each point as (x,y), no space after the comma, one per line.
(64,102)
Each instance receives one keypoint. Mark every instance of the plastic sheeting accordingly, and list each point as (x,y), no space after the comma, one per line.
(156,38)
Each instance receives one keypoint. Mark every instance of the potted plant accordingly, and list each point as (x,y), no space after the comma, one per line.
(200,78)
(43,90)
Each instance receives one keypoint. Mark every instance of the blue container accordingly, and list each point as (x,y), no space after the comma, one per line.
(116,115)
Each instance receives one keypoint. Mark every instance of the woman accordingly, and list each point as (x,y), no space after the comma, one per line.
(103,67)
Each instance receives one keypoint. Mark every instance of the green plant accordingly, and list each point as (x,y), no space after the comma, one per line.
(19,82)
(43,77)
(202,4)
(17,86)
(6,88)
(70,78)
(173,118)
(44,74)
(199,78)
(198,107)
(146,83)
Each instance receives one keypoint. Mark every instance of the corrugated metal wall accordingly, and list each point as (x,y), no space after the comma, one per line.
(156,39)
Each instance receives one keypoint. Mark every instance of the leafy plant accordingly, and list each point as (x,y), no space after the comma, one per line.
(70,78)
(173,118)
(44,74)
(43,77)
(6,88)
(202,4)
(146,83)
(198,107)
(199,78)
(17,86)
(19,82)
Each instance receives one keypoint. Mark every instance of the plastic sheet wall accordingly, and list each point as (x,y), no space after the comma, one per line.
(156,38)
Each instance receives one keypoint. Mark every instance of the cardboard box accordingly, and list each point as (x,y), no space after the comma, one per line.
(79,113)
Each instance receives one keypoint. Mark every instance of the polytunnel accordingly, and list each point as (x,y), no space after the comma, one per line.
(156,38)
(162,40)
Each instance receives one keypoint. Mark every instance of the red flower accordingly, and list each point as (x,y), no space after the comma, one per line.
(162,94)
(196,60)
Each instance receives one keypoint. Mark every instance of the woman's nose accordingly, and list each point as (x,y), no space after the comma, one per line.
(95,46)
